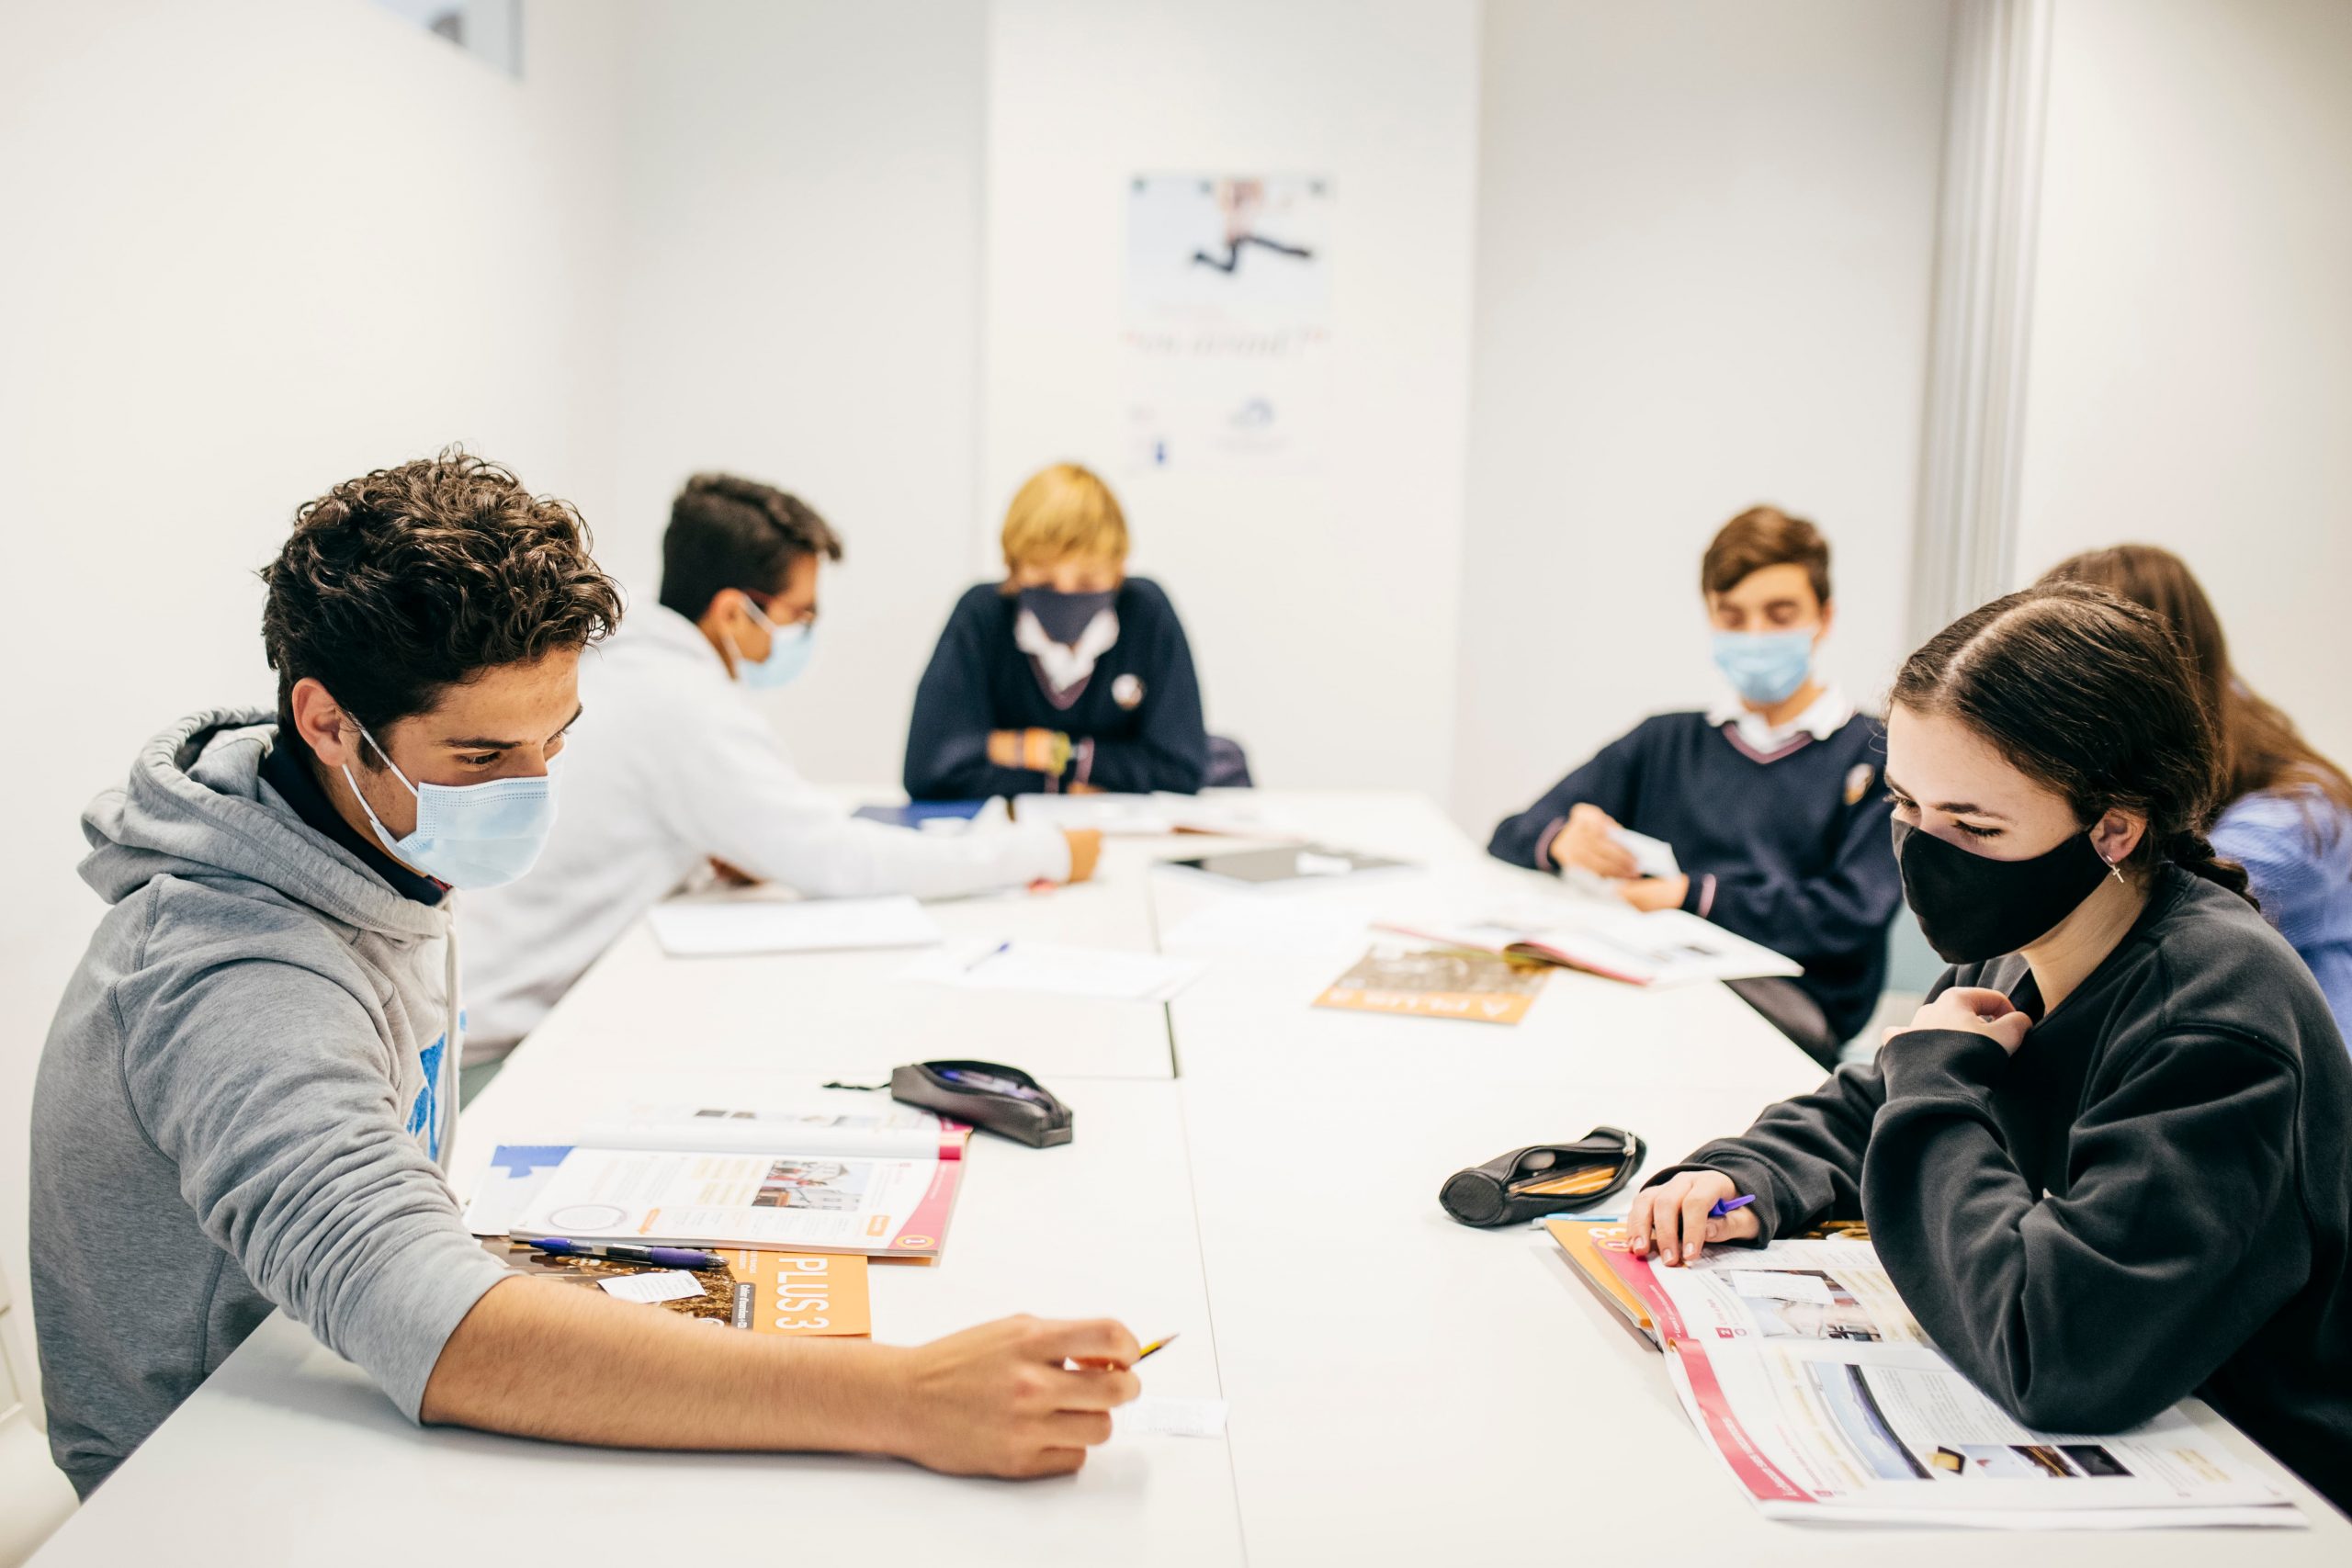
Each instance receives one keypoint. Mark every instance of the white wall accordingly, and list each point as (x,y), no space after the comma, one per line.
(799,300)
(252,250)
(2190,371)
(1705,240)
(1320,606)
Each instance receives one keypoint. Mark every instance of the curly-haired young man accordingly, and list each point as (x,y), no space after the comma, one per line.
(246,1097)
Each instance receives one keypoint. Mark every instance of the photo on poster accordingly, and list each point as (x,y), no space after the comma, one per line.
(1227,321)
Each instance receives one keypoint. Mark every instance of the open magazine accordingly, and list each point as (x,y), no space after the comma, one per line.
(1663,947)
(1801,1368)
(877,1179)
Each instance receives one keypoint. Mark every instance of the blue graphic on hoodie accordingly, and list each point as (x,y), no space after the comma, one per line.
(425,1120)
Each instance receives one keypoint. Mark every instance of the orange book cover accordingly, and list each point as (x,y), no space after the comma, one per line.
(1457,983)
(812,1293)
(1582,1240)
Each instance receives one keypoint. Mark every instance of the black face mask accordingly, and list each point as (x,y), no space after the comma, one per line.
(1972,908)
(1065,617)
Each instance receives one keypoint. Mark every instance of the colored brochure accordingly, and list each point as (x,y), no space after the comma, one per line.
(734,926)
(1605,937)
(839,1171)
(1800,1366)
(1455,982)
(777,1203)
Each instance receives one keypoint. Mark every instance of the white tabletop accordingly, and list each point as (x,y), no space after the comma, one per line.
(1403,1390)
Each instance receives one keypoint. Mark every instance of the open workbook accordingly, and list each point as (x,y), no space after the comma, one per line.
(1609,938)
(1803,1370)
(857,1174)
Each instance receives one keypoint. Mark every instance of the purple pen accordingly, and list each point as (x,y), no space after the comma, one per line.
(1728,1204)
(621,1252)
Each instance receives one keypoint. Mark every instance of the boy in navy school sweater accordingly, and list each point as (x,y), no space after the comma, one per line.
(1772,802)
(1070,675)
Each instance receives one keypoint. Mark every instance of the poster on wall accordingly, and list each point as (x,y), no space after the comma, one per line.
(1227,338)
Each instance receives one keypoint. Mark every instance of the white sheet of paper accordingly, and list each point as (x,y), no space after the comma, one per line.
(708,928)
(1103,972)
(1169,1417)
(1652,857)
(669,1285)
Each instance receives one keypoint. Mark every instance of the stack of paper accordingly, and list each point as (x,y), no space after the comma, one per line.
(731,926)
(1106,973)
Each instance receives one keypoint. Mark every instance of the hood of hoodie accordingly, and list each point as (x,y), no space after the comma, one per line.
(196,807)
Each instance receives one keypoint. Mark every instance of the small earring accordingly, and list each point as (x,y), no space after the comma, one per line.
(2117,867)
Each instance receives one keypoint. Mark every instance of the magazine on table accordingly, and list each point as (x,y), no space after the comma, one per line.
(1800,1365)
(872,1178)
(1607,937)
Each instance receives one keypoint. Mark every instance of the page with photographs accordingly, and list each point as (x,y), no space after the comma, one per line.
(777,1203)
(1803,1368)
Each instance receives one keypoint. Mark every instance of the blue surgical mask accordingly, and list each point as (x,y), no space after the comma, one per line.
(788,651)
(480,835)
(1765,667)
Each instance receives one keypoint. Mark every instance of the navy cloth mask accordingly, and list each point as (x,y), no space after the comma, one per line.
(1065,617)
(1972,908)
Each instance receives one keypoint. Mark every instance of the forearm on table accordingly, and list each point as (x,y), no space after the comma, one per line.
(541,1359)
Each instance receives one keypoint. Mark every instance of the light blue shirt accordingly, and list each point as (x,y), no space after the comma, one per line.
(2296,845)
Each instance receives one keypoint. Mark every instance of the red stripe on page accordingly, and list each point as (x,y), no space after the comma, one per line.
(1759,1474)
(930,1219)
(1762,1479)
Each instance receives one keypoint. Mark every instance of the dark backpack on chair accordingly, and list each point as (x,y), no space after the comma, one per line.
(1228,765)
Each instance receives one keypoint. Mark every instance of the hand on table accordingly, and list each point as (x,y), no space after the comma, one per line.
(1975,1009)
(1585,842)
(1039,751)
(1671,1219)
(997,1400)
(731,876)
(1651,893)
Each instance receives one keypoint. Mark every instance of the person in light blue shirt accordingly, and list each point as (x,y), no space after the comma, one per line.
(2288,816)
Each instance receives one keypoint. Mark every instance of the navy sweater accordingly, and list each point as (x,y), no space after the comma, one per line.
(1136,722)
(2152,1198)
(1794,853)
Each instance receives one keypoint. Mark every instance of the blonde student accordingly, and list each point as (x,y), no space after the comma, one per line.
(1068,675)
(2105,1164)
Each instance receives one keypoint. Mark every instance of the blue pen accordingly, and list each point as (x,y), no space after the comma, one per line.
(621,1252)
(1726,1206)
(983,958)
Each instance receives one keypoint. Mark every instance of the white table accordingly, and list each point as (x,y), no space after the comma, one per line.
(1403,1390)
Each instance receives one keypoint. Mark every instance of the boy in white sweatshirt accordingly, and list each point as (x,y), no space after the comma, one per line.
(673,768)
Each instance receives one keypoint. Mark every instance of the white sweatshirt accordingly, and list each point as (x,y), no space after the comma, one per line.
(668,767)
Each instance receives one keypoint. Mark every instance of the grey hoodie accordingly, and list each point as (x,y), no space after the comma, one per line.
(243,1104)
